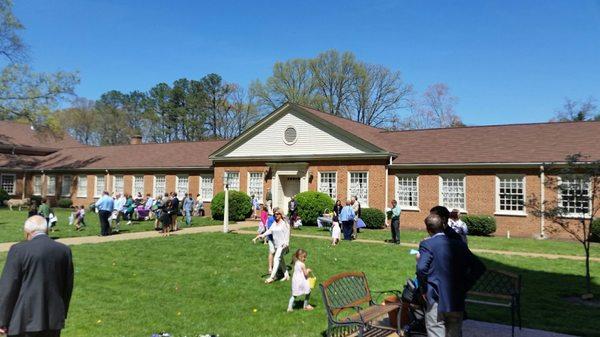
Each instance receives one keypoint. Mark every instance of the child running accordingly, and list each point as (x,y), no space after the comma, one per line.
(300,284)
(335,231)
(80,218)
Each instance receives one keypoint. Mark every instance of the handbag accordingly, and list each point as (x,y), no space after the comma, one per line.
(312,281)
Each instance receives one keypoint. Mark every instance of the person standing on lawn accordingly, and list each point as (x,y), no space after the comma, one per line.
(395,222)
(44,210)
(37,283)
(357,210)
(458,225)
(105,206)
(444,214)
(347,219)
(446,270)
(188,207)
(280,230)
(175,206)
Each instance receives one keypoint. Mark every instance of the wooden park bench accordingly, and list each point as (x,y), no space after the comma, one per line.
(351,308)
(501,289)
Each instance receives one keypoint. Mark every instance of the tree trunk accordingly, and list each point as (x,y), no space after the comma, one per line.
(588,282)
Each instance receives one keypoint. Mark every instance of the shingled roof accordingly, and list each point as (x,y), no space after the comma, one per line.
(22,137)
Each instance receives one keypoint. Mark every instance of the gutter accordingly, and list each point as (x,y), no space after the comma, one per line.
(304,157)
(468,165)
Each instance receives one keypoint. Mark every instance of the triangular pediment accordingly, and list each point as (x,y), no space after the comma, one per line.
(292,132)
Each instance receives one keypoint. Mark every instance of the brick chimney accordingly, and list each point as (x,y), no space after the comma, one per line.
(136,139)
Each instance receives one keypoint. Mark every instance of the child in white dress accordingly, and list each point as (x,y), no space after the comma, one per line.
(335,231)
(300,286)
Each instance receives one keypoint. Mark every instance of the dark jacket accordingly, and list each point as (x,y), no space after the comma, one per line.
(446,271)
(36,286)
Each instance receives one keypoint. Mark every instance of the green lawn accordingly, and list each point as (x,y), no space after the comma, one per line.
(11,225)
(496,243)
(213,283)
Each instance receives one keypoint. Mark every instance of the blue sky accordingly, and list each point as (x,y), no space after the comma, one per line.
(507,61)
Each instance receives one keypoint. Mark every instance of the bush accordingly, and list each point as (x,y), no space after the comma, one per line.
(3,196)
(36,198)
(481,225)
(595,233)
(311,205)
(240,206)
(373,218)
(65,203)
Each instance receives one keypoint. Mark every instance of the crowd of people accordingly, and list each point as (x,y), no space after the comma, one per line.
(165,210)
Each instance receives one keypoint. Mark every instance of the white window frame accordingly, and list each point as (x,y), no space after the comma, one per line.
(202,189)
(262,188)
(98,194)
(559,198)
(14,182)
(134,192)
(51,188)
(497,194)
(180,193)
(82,192)
(441,185)
(65,178)
(363,203)
(236,188)
(39,184)
(114,183)
(335,188)
(397,178)
(155,192)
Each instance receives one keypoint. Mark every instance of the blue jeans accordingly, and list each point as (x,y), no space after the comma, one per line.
(188,217)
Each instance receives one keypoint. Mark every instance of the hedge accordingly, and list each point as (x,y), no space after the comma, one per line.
(3,196)
(373,218)
(240,206)
(481,225)
(311,205)
(65,203)
(595,233)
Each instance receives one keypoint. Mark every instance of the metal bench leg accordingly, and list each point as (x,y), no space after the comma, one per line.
(512,318)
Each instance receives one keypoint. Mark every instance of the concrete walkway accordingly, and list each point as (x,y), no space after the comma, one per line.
(473,328)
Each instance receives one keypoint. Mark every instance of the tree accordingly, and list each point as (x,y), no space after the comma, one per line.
(244,111)
(113,124)
(578,111)
(435,109)
(576,184)
(25,94)
(161,122)
(334,76)
(216,106)
(81,121)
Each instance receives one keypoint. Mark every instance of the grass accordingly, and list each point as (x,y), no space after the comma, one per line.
(562,247)
(213,283)
(11,225)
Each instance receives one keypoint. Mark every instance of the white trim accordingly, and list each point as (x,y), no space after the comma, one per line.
(114,183)
(33,184)
(155,193)
(364,204)
(559,198)
(187,188)
(262,179)
(335,197)
(289,126)
(82,194)
(441,184)
(396,182)
(96,194)
(48,185)
(62,184)
(497,194)
(133,191)
(212,187)
(14,179)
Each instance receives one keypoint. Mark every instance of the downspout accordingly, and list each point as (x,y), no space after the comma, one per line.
(24,185)
(386,182)
(44,187)
(542,201)
(106,183)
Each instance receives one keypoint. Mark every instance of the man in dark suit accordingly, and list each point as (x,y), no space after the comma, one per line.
(446,270)
(36,284)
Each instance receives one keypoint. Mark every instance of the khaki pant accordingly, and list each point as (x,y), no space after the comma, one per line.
(443,324)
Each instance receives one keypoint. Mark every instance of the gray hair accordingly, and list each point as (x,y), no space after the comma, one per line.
(35,224)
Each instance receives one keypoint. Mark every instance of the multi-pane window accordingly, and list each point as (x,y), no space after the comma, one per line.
(37,185)
(452,192)
(65,186)
(182,185)
(575,195)
(82,186)
(160,185)
(100,185)
(328,183)
(8,182)
(359,187)
(255,185)
(51,185)
(118,184)
(138,185)
(407,191)
(206,188)
(510,194)
(234,180)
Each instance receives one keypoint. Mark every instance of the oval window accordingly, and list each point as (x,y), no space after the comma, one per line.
(289,135)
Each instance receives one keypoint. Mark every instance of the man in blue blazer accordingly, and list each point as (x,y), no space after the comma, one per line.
(446,270)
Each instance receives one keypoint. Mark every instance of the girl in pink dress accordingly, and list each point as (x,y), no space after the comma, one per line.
(300,286)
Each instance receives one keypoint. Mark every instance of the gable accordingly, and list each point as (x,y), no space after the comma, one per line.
(311,139)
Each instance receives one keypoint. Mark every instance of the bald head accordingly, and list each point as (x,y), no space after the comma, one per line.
(35,224)
(434,224)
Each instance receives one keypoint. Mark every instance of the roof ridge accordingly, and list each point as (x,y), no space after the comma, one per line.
(167,143)
(490,126)
(340,117)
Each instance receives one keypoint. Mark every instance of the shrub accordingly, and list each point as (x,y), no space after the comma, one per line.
(240,206)
(373,218)
(595,233)
(482,225)
(65,203)
(311,205)
(36,198)
(3,196)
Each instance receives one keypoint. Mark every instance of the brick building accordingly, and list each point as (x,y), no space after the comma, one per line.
(480,170)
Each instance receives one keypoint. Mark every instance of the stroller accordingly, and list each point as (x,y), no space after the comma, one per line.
(413,310)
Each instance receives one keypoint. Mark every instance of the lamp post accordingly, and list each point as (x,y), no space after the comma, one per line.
(226,206)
